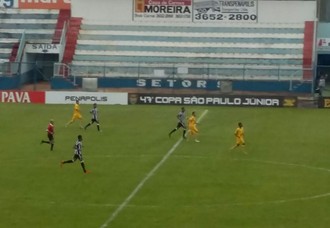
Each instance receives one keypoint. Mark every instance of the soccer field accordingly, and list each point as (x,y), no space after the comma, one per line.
(142,178)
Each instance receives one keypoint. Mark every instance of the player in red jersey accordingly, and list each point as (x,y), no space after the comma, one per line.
(50,134)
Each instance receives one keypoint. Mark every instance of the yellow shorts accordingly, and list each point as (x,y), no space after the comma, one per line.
(193,130)
(76,116)
(240,141)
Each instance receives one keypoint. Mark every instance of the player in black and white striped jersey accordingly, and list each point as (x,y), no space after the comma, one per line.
(95,118)
(181,123)
(77,154)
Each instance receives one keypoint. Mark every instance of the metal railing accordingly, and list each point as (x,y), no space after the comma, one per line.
(21,48)
(61,70)
(9,69)
(63,42)
(197,71)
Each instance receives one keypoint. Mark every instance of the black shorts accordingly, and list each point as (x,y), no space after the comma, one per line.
(50,137)
(94,120)
(180,125)
(77,156)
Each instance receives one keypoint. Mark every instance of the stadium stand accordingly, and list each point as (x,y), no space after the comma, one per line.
(38,26)
(253,51)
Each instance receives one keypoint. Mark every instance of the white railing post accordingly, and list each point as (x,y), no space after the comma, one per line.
(62,42)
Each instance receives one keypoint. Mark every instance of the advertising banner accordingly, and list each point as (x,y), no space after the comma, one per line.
(22,97)
(36,4)
(43,48)
(44,4)
(225,11)
(196,10)
(324,102)
(165,10)
(63,97)
(323,42)
(212,100)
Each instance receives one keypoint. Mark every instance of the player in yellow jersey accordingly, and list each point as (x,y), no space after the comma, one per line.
(239,135)
(76,115)
(193,131)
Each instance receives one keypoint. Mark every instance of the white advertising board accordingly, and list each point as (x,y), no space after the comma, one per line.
(165,10)
(63,97)
(225,11)
(323,42)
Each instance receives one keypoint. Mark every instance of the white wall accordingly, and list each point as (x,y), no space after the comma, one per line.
(286,11)
(121,11)
(108,11)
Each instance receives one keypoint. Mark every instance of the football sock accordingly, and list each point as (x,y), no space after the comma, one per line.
(98,127)
(68,161)
(87,125)
(184,134)
(43,141)
(172,131)
(83,166)
(51,146)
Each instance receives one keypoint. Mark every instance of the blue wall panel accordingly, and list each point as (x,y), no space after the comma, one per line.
(7,83)
(211,85)
(61,83)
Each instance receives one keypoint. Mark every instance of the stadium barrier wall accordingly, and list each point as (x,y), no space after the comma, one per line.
(61,83)
(212,100)
(197,84)
(274,86)
(7,83)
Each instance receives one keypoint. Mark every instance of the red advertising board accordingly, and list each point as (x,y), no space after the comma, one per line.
(22,97)
(44,4)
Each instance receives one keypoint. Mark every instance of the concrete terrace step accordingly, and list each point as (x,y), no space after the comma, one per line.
(188,44)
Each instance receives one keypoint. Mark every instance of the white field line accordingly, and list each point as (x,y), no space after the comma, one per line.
(257,203)
(287,164)
(145,179)
(150,206)
(260,203)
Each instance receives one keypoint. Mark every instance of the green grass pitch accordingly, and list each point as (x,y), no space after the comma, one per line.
(283,181)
